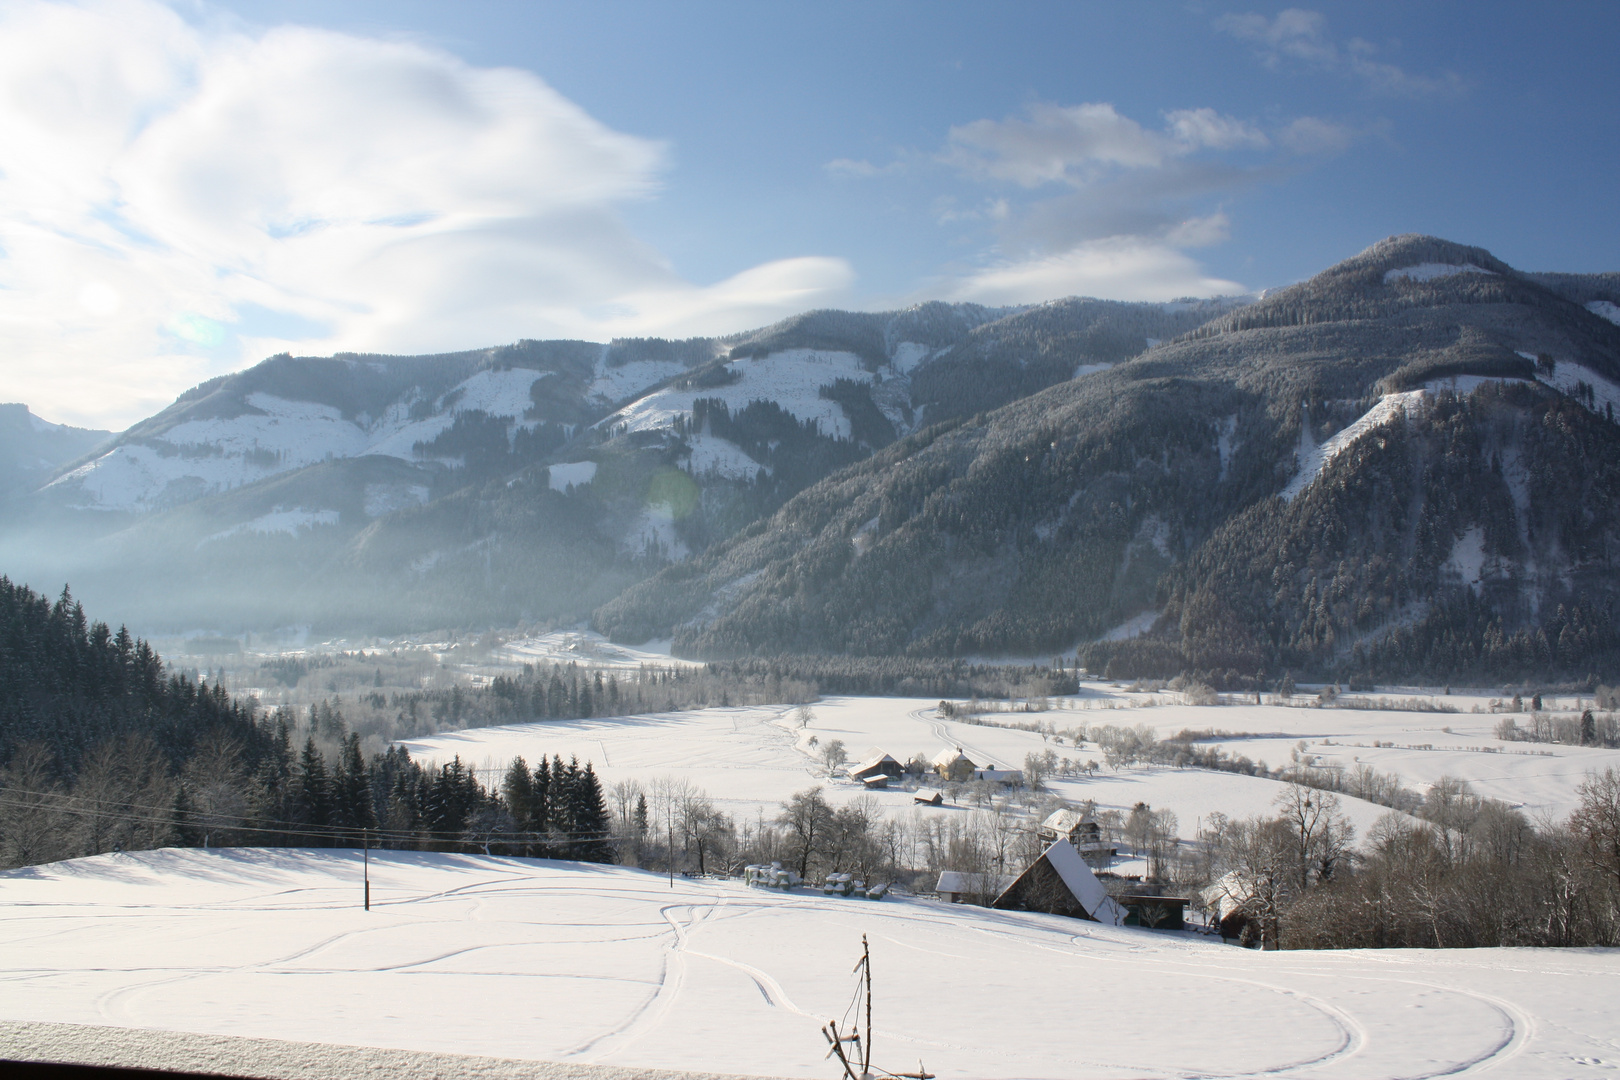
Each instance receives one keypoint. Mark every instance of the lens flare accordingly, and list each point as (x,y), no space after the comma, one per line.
(197,329)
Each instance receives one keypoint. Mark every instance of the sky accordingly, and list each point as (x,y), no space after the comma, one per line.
(187,188)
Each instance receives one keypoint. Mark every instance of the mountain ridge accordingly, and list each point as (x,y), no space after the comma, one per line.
(331,471)
(1045,524)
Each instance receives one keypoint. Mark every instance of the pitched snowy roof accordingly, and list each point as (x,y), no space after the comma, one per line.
(1061,856)
(1063,821)
(950,755)
(1228,894)
(876,760)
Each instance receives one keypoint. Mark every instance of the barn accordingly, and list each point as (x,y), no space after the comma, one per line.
(877,763)
(1060,883)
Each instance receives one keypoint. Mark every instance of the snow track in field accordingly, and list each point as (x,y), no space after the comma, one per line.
(550,961)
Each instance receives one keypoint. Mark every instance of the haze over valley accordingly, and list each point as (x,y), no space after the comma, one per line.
(553,541)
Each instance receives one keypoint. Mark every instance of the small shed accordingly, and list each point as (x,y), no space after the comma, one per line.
(1230,902)
(875,783)
(875,763)
(1154,912)
(1060,883)
(928,797)
(952,764)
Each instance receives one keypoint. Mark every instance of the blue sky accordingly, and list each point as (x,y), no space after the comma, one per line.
(409,177)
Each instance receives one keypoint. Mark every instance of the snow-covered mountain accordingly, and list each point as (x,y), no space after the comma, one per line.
(288,414)
(1408,464)
(526,481)
(31,449)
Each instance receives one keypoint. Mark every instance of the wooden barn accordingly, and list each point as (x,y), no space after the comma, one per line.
(928,797)
(877,764)
(1060,883)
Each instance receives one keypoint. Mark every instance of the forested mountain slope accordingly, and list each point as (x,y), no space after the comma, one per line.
(32,449)
(363,493)
(1406,465)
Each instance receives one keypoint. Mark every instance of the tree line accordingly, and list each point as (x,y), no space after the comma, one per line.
(1456,871)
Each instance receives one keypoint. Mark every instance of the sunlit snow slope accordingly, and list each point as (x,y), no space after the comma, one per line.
(556,961)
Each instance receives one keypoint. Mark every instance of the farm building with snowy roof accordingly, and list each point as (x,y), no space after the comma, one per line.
(1060,883)
(877,763)
(952,764)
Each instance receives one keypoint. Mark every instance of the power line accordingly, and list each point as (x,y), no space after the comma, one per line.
(167,816)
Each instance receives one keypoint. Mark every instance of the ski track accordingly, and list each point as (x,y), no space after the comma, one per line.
(1363,1001)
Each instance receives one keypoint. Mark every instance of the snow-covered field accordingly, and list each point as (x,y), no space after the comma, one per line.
(592,650)
(749,759)
(529,959)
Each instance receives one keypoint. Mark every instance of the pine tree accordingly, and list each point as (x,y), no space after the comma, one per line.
(312,793)
(517,790)
(352,789)
(593,842)
(540,808)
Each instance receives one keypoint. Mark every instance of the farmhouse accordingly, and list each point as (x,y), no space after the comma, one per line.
(1060,883)
(952,764)
(1083,833)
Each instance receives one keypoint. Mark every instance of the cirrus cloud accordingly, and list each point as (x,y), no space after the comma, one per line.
(176,201)
(1300,36)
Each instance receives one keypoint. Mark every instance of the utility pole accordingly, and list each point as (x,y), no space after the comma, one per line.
(866,1047)
(669,824)
(366,856)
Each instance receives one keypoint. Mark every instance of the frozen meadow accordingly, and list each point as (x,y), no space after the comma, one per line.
(749,759)
(562,962)
(588,965)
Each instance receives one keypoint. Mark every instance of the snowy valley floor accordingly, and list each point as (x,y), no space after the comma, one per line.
(559,962)
(750,759)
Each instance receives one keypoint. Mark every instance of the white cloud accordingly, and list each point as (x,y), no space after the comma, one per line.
(1199,232)
(1294,34)
(1313,135)
(1193,129)
(174,198)
(1301,36)
(861,168)
(1074,144)
(1115,268)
